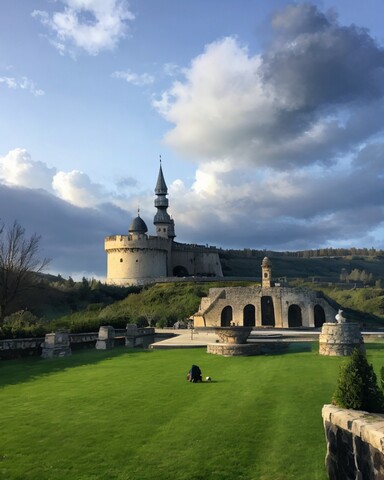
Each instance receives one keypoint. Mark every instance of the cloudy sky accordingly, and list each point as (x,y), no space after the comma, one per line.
(268,115)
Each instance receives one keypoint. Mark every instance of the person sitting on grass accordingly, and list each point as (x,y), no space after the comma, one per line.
(195,374)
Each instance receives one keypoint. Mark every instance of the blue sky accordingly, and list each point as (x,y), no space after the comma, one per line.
(268,116)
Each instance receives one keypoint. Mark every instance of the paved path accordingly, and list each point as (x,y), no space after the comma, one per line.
(186,338)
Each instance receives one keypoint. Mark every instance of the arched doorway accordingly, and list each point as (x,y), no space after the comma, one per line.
(180,271)
(319,316)
(294,316)
(249,316)
(267,312)
(226,316)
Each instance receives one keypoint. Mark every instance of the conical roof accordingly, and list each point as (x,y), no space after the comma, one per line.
(161,187)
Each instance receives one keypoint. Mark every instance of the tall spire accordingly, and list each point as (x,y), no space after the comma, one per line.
(161,186)
(163,222)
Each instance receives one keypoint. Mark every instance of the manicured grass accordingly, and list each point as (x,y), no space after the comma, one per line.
(131,415)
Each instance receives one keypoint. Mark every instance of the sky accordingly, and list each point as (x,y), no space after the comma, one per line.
(268,116)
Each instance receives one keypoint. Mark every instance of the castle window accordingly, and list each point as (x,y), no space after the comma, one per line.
(121,260)
(137,260)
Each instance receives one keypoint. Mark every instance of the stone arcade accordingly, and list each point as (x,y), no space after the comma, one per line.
(264,306)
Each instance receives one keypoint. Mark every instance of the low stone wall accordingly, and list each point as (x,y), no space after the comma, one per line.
(340,339)
(355,444)
(20,347)
(23,347)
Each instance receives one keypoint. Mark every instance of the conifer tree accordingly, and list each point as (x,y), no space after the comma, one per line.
(357,386)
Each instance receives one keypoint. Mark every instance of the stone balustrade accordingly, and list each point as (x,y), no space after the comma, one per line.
(21,347)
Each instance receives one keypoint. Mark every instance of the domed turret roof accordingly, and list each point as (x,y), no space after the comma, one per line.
(138,225)
(266,262)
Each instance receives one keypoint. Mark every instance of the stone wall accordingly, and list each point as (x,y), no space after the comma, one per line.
(22,347)
(355,444)
(340,339)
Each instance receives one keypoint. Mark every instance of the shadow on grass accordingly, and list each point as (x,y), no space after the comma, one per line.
(22,370)
(374,346)
(294,347)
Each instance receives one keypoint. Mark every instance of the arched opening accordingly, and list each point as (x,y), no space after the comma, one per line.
(249,316)
(180,271)
(319,316)
(294,316)
(267,312)
(226,316)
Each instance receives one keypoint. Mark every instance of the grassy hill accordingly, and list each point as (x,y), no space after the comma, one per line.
(83,306)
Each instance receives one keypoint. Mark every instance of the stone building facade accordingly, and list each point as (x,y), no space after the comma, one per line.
(138,258)
(264,306)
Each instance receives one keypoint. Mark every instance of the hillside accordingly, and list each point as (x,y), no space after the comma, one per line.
(246,263)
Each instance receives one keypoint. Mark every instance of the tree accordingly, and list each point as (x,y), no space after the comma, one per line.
(357,386)
(19,264)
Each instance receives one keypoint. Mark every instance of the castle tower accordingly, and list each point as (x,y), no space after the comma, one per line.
(165,226)
(266,273)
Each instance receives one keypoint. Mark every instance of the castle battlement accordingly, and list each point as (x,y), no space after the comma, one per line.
(113,242)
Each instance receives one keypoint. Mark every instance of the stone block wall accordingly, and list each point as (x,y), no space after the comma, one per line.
(355,444)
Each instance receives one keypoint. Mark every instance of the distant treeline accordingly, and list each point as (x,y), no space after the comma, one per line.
(319,252)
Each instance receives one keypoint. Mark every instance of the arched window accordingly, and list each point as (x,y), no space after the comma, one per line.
(249,316)
(319,316)
(226,316)
(294,316)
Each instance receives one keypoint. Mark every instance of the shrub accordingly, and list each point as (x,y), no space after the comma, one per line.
(357,386)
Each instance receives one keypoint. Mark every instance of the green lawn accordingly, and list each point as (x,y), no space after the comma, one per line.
(132,415)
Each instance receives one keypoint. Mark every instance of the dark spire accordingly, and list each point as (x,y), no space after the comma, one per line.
(164,225)
(161,187)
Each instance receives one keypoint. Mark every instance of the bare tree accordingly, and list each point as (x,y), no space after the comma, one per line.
(19,264)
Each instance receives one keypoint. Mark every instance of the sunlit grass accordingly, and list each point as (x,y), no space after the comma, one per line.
(132,415)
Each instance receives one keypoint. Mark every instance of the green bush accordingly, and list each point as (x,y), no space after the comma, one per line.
(357,386)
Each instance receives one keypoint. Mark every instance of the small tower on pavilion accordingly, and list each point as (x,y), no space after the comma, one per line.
(266,273)
(165,226)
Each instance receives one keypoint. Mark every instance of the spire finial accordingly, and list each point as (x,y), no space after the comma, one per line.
(160,159)
(138,210)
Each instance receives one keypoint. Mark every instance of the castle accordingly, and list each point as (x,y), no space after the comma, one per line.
(138,258)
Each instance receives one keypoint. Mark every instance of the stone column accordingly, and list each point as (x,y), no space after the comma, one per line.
(56,345)
(340,339)
(106,338)
(131,334)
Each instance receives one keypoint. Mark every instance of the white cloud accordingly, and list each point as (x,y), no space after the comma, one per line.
(138,80)
(315,93)
(76,187)
(18,168)
(22,83)
(90,25)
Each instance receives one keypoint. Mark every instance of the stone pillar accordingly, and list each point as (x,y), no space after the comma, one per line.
(340,339)
(106,338)
(131,334)
(56,345)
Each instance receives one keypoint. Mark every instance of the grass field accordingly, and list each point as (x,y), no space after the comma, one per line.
(131,415)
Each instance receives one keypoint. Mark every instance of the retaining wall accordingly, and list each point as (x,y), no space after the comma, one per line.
(355,444)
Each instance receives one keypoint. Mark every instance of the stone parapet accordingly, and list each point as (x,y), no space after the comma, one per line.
(340,339)
(355,444)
